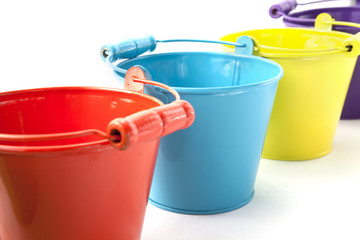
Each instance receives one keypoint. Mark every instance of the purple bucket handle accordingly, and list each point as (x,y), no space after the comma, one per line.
(282,8)
(286,6)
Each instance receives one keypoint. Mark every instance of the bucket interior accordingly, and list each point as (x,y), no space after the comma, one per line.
(205,69)
(346,14)
(61,110)
(292,38)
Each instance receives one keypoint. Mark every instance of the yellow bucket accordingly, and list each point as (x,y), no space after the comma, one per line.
(318,65)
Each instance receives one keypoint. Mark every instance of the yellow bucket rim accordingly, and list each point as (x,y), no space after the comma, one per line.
(282,52)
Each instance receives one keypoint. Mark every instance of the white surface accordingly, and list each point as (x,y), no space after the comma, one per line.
(48,43)
(313,199)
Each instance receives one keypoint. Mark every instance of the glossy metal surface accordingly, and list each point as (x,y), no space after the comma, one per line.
(311,94)
(351,109)
(81,187)
(211,167)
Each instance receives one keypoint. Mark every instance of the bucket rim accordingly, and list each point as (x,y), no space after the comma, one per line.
(292,56)
(216,90)
(293,17)
(10,149)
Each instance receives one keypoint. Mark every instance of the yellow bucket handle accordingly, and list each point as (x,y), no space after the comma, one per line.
(324,21)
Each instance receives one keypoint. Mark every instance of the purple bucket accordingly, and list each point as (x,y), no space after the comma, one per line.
(351,109)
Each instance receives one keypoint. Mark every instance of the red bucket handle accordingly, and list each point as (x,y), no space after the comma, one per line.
(152,123)
(139,127)
(52,136)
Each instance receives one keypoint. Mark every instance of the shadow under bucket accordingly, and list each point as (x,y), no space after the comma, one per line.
(211,167)
(351,109)
(76,183)
(317,70)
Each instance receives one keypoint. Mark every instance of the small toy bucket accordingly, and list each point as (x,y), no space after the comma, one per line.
(63,177)
(348,16)
(211,167)
(318,66)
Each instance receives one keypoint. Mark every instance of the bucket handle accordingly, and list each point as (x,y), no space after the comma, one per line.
(132,48)
(350,47)
(324,21)
(285,7)
(153,123)
(139,127)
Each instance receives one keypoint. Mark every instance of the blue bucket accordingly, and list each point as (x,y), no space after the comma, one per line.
(210,167)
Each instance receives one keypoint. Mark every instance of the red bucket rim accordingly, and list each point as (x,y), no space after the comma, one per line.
(42,149)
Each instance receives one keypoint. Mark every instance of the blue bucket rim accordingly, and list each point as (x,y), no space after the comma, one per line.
(215,90)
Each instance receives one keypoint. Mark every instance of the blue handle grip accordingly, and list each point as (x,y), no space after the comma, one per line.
(282,8)
(128,49)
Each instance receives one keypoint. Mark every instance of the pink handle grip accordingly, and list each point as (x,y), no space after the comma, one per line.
(282,8)
(151,124)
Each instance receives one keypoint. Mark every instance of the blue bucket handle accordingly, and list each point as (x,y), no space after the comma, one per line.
(286,6)
(132,48)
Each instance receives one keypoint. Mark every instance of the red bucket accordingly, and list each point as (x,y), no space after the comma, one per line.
(80,185)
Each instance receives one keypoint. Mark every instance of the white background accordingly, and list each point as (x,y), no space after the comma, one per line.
(48,43)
